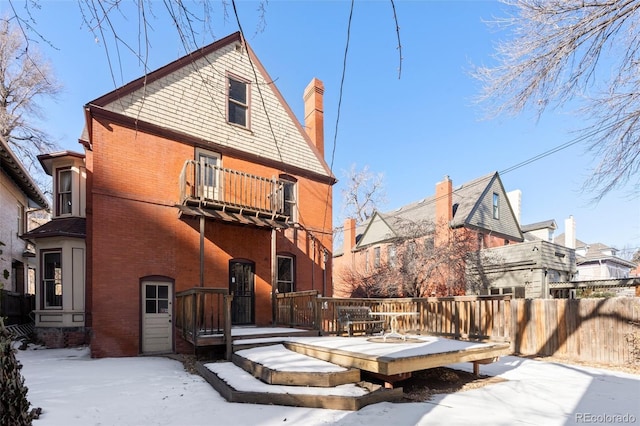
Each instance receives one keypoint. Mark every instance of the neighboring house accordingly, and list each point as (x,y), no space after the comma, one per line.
(527,269)
(19,198)
(480,208)
(595,261)
(197,175)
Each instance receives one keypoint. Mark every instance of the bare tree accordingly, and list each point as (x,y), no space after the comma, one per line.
(583,52)
(363,194)
(415,266)
(24,80)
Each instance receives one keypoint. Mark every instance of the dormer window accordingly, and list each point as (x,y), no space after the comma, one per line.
(63,190)
(238,102)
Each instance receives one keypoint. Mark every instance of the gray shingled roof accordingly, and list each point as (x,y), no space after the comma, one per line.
(60,227)
(465,200)
(539,225)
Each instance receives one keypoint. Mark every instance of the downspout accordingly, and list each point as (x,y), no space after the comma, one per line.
(202,223)
(274,268)
(313,263)
(324,272)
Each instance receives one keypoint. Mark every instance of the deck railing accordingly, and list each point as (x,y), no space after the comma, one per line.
(203,313)
(297,309)
(459,317)
(216,185)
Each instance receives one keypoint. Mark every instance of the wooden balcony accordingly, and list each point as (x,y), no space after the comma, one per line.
(233,195)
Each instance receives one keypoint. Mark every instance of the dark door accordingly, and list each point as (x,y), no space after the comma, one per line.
(242,286)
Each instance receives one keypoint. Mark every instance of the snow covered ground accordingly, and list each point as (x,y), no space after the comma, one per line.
(73,389)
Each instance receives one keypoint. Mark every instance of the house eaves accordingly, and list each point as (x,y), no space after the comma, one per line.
(12,166)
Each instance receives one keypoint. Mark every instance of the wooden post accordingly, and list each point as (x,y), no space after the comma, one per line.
(274,277)
(227,326)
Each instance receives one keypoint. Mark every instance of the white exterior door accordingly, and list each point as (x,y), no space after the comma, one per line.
(157,317)
(208,174)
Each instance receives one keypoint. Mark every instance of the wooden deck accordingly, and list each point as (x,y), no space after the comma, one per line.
(396,357)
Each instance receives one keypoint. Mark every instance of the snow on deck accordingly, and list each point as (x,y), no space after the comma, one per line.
(279,358)
(242,381)
(427,345)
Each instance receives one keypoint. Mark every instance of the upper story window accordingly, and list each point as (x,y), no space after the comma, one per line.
(289,196)
(376,257)
(496,206)
(63,191)
(238,102)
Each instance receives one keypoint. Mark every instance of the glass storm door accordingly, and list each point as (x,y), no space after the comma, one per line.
(242,286)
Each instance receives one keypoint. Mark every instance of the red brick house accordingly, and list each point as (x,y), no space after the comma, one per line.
(199,175)
(477,215)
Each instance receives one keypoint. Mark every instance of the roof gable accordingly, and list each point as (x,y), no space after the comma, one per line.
(481,215)
(188,97)
(377,231)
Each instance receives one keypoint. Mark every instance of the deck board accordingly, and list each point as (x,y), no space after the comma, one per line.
(395,358)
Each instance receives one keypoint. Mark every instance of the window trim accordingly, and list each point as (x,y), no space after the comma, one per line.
(496,206)
(292,283)
(58,198)
(246,105)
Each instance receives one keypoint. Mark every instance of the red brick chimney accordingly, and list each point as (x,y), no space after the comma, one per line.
(314,113)
(444,210)
(349,236)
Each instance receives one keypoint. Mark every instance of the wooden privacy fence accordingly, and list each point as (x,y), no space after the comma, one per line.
(591,330)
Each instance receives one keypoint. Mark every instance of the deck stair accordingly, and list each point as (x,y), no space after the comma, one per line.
(276,375)
(250,338)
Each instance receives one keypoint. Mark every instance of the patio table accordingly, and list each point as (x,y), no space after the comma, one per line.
(393,322)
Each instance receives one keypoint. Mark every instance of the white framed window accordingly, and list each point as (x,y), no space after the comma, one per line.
(288,196)
(286,274)
(496,206)
(64,191)
(52,279)
(208,174)
(376,257)
(238,101)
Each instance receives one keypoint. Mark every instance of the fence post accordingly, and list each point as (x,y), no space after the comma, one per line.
(456,319)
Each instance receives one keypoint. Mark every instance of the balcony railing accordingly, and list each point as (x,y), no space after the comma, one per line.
(215,186)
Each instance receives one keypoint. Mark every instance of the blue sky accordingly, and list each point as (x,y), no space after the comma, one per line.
(414,130)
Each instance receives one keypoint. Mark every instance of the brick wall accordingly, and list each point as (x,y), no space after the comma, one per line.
(135,231)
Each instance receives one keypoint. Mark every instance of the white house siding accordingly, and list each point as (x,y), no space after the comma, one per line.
(13,249)
(192,100)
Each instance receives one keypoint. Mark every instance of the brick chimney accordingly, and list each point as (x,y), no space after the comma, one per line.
(314,113)
(444,210)
(349,236)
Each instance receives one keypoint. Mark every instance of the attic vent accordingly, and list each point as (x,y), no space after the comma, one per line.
(238,47)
